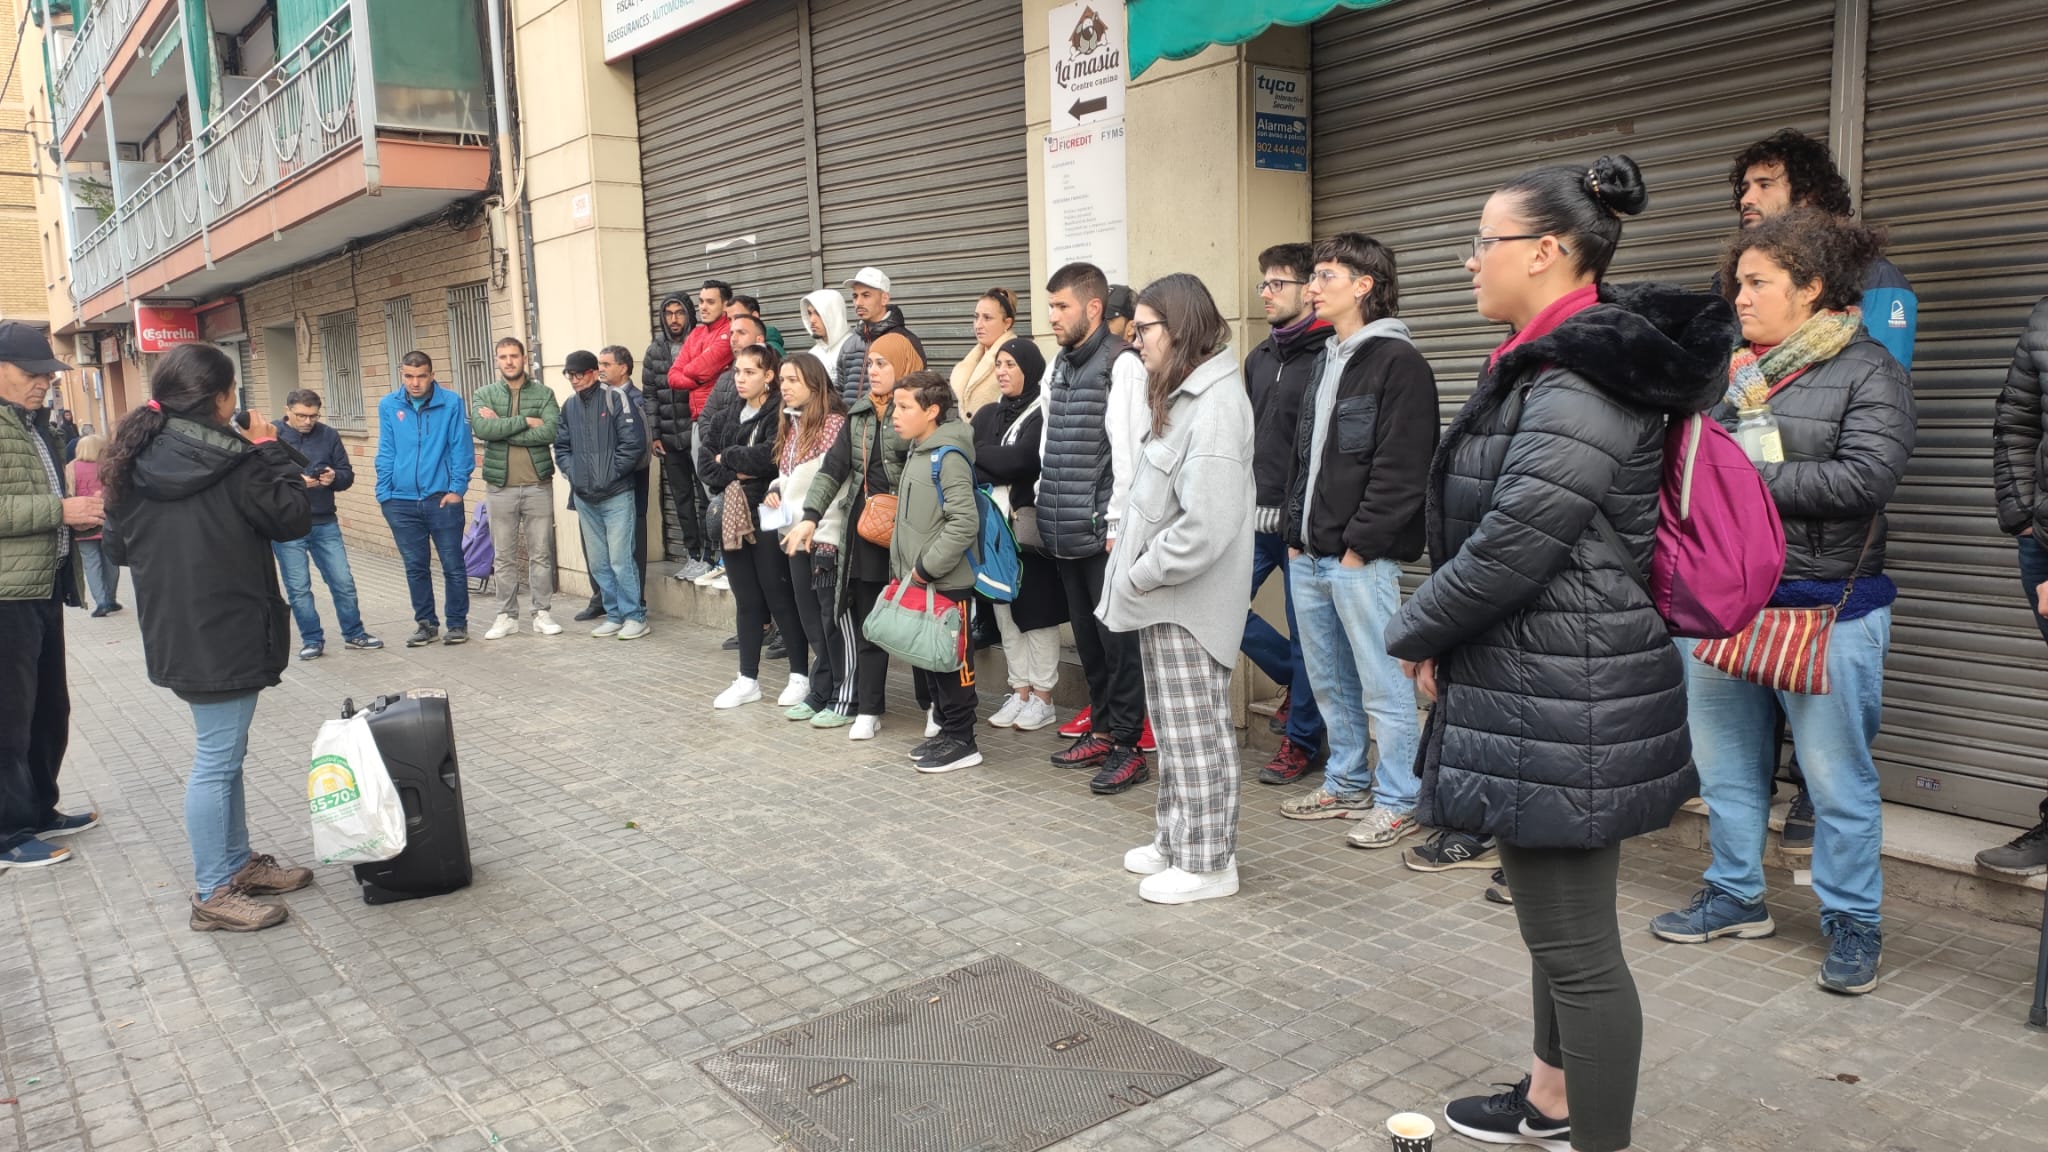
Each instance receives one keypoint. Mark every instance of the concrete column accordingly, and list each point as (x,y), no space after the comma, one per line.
(579,132)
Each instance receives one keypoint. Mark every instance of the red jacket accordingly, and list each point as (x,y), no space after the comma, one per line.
(706,354)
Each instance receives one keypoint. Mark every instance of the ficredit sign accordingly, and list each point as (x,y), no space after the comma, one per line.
(162,329)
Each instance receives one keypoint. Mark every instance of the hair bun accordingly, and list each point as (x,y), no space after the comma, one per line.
(1617,184)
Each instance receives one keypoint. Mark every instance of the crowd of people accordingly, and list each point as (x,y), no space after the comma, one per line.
(1151,479)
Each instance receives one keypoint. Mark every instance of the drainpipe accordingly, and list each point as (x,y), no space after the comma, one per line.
(511,187)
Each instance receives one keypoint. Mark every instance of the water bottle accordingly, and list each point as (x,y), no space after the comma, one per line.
(1757,431)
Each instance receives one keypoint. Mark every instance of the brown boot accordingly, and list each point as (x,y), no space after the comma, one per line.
(264,876)
(230,909)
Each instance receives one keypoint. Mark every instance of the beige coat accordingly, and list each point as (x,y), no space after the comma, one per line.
(974,379)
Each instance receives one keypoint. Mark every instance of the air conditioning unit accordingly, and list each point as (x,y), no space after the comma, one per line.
(88,348)
(131,153)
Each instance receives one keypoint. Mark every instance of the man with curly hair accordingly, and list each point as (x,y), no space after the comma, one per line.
(1792,168)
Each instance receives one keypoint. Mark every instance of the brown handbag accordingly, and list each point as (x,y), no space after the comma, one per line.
(878,510)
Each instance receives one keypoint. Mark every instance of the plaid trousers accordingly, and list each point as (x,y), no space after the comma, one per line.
(1187,695)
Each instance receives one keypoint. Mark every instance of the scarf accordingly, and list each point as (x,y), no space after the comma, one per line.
(1751,375)
(1545,322)
(1032,364)
(1288,332)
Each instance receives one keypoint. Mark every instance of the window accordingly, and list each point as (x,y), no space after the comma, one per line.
(338,367)
(398,335)
(469,338)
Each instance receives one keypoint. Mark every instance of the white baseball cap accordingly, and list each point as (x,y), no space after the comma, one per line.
(871,276)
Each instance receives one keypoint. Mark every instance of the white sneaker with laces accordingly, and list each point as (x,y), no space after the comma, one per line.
(864,728)
(1146,860)
(744,690)
(545,624)
(792,695)
(1036,714)
(634,629)
(502,627)
(931,723)
(606,629)
(719,583)
(1007,714)
(703,579)
(1175,886)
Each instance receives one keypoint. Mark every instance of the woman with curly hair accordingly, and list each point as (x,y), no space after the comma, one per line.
(1844,409)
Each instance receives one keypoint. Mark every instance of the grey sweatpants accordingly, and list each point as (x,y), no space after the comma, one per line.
(513,510)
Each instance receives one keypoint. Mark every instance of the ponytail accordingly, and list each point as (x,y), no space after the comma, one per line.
(187,382)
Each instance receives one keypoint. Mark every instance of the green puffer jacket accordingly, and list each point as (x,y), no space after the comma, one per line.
(30,512)
(934,535)
(511,430)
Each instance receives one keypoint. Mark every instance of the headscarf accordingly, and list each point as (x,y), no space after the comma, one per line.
(1032,363)
(901,354)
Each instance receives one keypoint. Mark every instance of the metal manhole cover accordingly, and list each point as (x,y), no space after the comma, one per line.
(992,1057)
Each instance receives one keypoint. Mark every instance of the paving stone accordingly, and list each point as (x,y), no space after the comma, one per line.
(774,873)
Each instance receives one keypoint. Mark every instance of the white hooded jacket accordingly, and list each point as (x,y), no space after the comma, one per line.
(831,308)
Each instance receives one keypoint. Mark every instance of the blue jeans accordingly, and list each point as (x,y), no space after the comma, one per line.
(1343,614)
(216,818)
(323,547)
(414,525)
(2033,572)
(1280,657)
(102,575)
(608,542)
(1733,744)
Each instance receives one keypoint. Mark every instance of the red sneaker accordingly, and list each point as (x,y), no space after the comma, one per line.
(1278,724)
(1145,741)
(1289,764)
(1082,724)
(1086,754)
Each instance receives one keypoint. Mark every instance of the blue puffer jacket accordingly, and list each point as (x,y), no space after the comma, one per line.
(425,451)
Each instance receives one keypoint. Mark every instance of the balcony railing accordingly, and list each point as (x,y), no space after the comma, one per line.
(99,37)
(297,115)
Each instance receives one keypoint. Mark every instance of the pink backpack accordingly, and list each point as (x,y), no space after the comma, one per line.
(1720,547)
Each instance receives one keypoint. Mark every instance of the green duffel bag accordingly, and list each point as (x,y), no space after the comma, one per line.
(918,626)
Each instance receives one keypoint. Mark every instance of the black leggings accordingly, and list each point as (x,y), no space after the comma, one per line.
(871,662)
(813,581)
(760,589)
(1588,1019)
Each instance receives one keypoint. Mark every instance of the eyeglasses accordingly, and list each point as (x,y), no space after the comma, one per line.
(1479,243)
(1265,286)
(1138,330)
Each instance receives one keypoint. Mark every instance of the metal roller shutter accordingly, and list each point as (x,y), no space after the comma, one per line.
(1424,107)
(724,156)
(1953,161)
(921,168)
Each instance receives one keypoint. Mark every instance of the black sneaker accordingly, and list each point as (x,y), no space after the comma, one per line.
(1507,1118)
(363,643)
(1447,850)
(944,754)
(312,651)
(918,749)
(422,636)
(1497,891)
(2027,855)
(457,636)
(775,649)
(1797,839)
(1124,770)
(590,612)
(1086,753)
(731,644)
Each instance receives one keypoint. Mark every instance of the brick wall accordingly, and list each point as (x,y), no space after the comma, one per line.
(420,264)
(22,276)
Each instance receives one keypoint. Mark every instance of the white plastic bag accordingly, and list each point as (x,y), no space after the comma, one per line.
(357,815)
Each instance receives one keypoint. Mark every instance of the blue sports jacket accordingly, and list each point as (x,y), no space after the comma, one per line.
(424,452)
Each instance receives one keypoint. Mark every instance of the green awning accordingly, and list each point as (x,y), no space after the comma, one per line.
(1178,29)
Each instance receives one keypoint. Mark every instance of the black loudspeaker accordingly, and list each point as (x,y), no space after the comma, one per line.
(415,734)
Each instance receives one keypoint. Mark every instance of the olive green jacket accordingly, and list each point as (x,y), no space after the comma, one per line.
(510,430)
(31,510)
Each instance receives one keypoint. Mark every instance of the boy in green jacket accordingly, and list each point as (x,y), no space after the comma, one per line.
(936,525)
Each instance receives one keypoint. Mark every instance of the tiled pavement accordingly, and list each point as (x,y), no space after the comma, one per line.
(655,881)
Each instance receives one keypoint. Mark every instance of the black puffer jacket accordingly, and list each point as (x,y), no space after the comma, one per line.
(748,447)
(1278,372)
(1847,426)
(195,528)
(853,355)
(1561,713)
(2019,434)
(670,411)
(715,426)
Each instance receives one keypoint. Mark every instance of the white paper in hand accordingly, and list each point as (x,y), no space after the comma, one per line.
(776,519)
(357,815)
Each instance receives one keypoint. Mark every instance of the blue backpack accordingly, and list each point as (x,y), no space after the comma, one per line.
(994,555)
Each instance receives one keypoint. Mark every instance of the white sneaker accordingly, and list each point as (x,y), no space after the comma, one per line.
(711,572)
(742,691)
(606,629)
(1035,714)
(931,723)
(634,629)
(1146,860)
(502,627)
(1174,886)
(864,728)
(1007,714)
(719,583)
(545,624)
(793,695)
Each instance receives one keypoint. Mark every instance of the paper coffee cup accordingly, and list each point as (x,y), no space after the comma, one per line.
(1412,1132)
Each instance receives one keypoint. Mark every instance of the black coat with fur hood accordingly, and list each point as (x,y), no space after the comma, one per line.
(1560,718)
